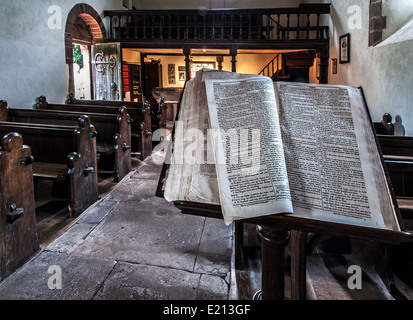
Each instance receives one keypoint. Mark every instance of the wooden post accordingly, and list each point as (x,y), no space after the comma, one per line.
(220,60)
(233,53)
(187,53)
(239,243)
(324,56)
(298,265)
(273,245)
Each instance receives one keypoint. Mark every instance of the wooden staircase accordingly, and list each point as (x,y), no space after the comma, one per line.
(278,68)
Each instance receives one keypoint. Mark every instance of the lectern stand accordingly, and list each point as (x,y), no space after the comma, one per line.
(277,230)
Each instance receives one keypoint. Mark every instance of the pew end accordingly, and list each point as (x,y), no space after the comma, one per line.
(51,145)
(18,234)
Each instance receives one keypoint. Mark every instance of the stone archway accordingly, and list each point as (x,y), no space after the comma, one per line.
(97,30)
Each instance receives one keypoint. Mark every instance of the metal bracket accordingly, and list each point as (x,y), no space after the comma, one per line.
(14,213)
(100,62)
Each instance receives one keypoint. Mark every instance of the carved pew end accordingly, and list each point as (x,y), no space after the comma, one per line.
(18,233)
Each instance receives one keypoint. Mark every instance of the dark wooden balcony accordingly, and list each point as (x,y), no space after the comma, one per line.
(220,27)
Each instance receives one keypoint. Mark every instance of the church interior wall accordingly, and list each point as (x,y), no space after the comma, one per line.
(33,49)
(384,72)
(34,53)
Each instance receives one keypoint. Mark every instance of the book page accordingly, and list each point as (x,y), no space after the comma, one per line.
(192,172)
(191,175)
(332,158)
(248,148)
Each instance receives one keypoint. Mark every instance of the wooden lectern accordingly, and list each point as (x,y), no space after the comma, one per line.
(277,230)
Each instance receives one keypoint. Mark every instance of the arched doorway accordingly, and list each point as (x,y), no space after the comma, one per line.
(84,28)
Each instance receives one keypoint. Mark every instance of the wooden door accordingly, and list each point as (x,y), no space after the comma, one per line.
(153,79)
(107,71)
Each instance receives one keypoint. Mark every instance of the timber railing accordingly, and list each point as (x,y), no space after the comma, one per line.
(307,22)
(272,67)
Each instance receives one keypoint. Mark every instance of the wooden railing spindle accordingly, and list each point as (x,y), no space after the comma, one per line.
(161,22)
(153,27)
(169,27)
(221,25)
(186,28)
(240,26)
(144,27)
(231,36)
(298,26)
(136,27)
(196,27)
(249,27)
(288,26)
(204,19)
(177,27)
(213,27)
(278,26)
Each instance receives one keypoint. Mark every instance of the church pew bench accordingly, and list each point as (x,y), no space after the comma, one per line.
(63,154)
(169,98)
(398,158)
(156,111)
(140,113)
(397,153)
(385,126)
(18,235)
(113,138)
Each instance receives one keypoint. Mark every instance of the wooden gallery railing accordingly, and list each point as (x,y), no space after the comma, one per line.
(220,26)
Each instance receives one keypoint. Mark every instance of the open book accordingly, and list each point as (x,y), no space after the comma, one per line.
(259,148)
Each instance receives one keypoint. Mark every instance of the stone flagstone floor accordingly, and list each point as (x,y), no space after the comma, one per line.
(130,245)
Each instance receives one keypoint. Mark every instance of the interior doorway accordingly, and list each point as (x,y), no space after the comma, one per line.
(84,28)
(82,71)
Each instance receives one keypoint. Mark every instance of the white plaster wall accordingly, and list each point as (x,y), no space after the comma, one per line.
(33,56)
(385,73)
(401,9)
(252,63)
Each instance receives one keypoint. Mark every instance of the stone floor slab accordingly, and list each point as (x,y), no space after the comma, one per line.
(143,282)
(81,278)
(149,232)
(98,212)
(212,288)
(68,240)
(134,190)
(214,255)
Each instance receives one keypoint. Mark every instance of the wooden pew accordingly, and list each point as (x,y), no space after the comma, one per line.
(18,236)
(63,153)
(146,117)
(385,126)
(398,157)
(169,99)
(155,109)
(397,154)
(113,133)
